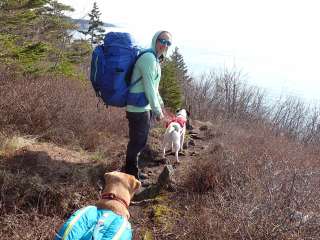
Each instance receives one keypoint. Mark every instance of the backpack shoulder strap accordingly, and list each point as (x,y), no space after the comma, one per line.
(149,50)
(140,54)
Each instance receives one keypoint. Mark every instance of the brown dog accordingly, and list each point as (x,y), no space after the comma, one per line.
(109,217)
(118,191)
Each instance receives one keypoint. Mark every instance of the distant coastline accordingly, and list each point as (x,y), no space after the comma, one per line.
(84,24)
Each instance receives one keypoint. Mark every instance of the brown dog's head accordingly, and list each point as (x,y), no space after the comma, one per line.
(122,186)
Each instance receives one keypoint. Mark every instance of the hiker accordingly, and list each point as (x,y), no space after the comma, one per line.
(148,67)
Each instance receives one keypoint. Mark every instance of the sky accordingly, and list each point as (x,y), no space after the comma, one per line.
(274,43)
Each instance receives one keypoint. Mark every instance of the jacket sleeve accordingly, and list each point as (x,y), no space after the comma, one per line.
(148,68)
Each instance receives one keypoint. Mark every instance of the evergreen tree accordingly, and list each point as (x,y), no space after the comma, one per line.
(181,71)
(96,29)
(181,67)
(170,89)
(35,37)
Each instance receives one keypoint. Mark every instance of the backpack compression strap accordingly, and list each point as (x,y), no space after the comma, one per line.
(119,227)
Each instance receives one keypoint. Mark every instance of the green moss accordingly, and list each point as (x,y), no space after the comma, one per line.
(97,156)
(147,235)
(64,68)
(161,198)
(160,212)
(163,216)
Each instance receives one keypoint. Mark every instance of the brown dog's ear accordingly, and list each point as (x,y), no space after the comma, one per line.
(134,184)
(107,175)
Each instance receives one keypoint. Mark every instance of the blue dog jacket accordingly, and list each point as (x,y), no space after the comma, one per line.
(91,223)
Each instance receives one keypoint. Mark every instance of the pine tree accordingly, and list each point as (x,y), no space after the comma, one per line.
(170,89)
(182,70)
(182,76)
(35,37)
(96,29)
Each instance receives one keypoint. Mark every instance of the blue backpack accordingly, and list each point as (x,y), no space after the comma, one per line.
(91,223)
(111,69)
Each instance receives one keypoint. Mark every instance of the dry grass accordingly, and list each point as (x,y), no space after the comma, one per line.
(57,110)
(249,183)
(8,146)
(38,192)
(255,186)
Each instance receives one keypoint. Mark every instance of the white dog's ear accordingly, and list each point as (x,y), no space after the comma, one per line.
(188,113)
(178,110)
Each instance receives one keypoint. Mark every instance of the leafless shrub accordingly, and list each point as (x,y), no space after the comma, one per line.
(215,171)
(289,115)
(225,94)
(61,110)
(311,131)
(260,187)
(294,118)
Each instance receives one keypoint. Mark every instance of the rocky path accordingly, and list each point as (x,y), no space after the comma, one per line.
(155,202)
(166,173)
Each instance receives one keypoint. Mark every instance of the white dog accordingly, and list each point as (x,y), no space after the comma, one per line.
(175,133)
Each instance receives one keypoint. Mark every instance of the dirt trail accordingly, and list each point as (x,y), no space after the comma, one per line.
(58,153)
(152,162)
(153,214)
(71,168)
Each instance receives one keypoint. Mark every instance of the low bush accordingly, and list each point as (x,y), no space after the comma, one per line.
(60,110)
(258,186)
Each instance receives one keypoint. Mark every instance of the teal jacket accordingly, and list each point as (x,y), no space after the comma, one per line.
(91,223)
(148,67)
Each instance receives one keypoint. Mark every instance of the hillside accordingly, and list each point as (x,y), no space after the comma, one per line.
(251,168)
(233,183)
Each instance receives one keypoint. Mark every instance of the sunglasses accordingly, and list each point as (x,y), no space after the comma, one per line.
(164,42)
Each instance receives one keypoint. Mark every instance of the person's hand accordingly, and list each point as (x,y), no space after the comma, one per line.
(163,110)
(159,117)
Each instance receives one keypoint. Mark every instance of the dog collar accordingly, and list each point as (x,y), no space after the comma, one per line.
(112,196)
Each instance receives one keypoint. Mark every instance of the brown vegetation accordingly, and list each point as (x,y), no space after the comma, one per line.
(58,110)
(246,177)
(255,186)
